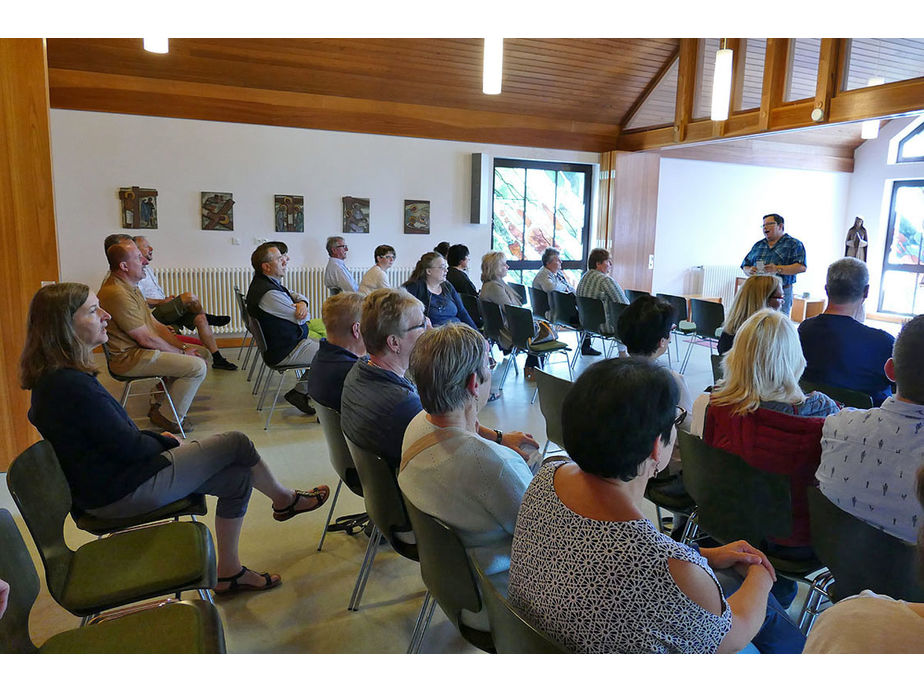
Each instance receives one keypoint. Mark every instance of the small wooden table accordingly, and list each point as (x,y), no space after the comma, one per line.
(805,308)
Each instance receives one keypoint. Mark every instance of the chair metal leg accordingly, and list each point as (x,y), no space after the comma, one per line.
(176,416)
(691,528)
(818,592)
(265,388)
(365,569)
(260,371)
(125,393)
(535,395)
(282,376)
(423,622)
(330,514)
(686,358)
(506,367)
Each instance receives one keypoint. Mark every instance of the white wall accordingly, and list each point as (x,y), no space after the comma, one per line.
(710,214)
(870,194)
(94,154)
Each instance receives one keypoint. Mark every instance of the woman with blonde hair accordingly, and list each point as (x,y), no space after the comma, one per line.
(441,301)
(765,291)
(759,412)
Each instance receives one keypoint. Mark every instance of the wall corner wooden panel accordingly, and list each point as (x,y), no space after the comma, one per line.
(27,222)
(635,213)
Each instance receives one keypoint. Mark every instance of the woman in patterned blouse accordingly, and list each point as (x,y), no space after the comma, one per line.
(591,571)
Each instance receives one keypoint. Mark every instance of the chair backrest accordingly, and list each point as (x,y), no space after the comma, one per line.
(446,570)
(520,289)
(708,316)
(108,355)
(539,301)
(383,499)
(716,367)
(592,314)
(564,309)
(471,306)
(552,393)
(17,569)
(632,294)
(493,320)
(340,458)
(860,556)
(734,500)
(242,306)
(257,331)
(678,303)
(520,324)
(849,398)
(511,632)
(40,490)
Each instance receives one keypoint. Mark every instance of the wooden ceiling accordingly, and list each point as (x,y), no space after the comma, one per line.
(557,93)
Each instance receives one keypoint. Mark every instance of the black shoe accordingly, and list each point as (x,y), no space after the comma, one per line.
(300,401)
(217,320)
(589,351)
(223,364)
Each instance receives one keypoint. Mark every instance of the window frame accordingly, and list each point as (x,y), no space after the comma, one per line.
(587,170)
(890,229)
(899,157)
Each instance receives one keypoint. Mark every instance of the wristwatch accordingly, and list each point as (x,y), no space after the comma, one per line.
(500,435)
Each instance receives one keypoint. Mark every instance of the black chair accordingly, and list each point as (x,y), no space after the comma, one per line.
(539,302)
(342,462)
(552,393)
(682,325)
(717,372)
(130,380)
(564,311)
(841,395)
(192,627)
(708,316)
(592,317)
(112,572)
(448,574)
(245,318)
(520,323)
(257,333)
(632,294)
(858,557)
(494,327)
(511,632)
(520,289)
(473,309)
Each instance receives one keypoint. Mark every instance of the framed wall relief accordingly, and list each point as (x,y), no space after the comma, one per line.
(417,216)
(217,213)
(289,213)
(139,207)
(356,215)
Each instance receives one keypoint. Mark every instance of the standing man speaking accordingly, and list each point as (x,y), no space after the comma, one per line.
(778,253)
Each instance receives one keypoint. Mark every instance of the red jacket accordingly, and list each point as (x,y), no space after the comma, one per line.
(773,442)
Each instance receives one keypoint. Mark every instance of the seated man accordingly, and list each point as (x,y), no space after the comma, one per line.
(140,345)
(283,317)
(378,400)
(184,309)
(550,278)
(337,277)
(839,349)
(869,457)
(597,283)
(448,470)
(338,352)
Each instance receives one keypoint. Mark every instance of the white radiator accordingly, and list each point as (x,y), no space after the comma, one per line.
(719,280)
(215,287)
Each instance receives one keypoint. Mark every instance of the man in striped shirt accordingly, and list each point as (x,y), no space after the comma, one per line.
(597,283)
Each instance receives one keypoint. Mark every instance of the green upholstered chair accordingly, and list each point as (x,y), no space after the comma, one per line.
(841,395)
(552,391)
(448,574)
(192,505)
(857,556)
(112,572)
(511,632)
(342,462)
(176,628)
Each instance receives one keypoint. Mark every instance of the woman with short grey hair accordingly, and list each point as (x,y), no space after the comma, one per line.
(451,466)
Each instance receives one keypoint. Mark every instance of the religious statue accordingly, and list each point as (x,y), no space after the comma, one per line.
(857,240)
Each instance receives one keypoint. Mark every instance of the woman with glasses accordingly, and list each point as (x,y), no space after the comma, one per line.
(591,571)
(441,301)
(376,277)
(765,291)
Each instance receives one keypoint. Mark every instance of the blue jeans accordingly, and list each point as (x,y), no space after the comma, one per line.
(779,634)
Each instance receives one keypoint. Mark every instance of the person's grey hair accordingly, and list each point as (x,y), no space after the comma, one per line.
(548,254)
(331,242)
(383,312)
(114,238)
(906,358)
(846,280)
(441,363)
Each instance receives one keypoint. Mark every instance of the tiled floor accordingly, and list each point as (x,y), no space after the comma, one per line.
(308,613)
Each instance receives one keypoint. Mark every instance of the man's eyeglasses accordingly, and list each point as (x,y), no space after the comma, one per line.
(681,416)
(345,247)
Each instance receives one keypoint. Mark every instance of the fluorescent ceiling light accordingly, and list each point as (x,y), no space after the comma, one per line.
(493,65)
(721,84)
(156,45)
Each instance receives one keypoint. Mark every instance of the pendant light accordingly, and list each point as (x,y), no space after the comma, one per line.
(493,65)
(722,83)
(156,45)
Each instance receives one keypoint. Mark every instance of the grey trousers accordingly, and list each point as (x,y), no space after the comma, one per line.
(217,466)
(303,353)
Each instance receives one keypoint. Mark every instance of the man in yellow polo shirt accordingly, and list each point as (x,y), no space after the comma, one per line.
(140,345)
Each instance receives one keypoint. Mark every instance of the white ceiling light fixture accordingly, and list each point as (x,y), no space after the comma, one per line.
(156,45)
(722,83)
(870,128)
(493,65)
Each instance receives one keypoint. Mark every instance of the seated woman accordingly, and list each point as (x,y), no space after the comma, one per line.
(458,258)
(448,469)
(765,291)
(376,277)
(441,301)
(495,290)
(116,471)
(587,567)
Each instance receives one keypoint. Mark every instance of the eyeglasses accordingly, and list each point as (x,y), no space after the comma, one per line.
(345,247)
(767,227)
(439,267)
(681,417)
(387,257)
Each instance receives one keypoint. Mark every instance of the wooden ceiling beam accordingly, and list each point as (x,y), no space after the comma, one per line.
(650,87)
(686,87)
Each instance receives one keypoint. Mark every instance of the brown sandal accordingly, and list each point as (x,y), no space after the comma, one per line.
(319,493)
(270,581)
